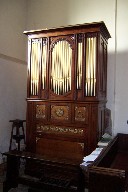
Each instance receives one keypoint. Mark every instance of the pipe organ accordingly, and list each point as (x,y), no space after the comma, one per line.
(66,90)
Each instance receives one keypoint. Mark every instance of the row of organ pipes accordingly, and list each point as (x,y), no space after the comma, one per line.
(61,68)
(61,64)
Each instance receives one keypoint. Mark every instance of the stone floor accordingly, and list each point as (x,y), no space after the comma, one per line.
(1,187)
(20,189)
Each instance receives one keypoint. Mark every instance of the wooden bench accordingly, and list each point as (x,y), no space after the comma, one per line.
(42,174)
(109,173)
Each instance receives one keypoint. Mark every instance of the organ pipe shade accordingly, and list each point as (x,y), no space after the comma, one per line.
(90,66)
(61,67)
(90,81)
(37,60)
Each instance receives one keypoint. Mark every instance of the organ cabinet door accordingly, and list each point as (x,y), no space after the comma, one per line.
(66,89)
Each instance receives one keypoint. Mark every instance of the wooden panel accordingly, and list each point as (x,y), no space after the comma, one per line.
(60,149)
(41,111)
(60,112)
(30,137)
(82,113)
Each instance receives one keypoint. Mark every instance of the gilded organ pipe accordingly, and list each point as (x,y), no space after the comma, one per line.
(35,60)
(44,61)
(90,66)
(61,67)
(79,66)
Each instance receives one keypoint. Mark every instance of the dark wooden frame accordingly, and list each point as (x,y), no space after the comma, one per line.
(109,173)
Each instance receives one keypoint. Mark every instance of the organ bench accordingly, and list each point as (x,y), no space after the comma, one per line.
(41,173)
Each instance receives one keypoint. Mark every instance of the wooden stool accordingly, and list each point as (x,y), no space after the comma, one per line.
(17,123)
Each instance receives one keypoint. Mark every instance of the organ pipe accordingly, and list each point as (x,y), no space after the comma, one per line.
(61,68)
(60,82)
(90,81)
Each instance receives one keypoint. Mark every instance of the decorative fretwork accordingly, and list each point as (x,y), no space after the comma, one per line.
(82,145)
(59,130)
(40,111)
(59,112)
(37,139)
(81,114)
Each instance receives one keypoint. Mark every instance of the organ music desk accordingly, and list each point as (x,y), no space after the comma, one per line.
(53,175)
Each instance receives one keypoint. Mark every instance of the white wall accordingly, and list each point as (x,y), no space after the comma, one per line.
(19,15)
(13,95)
(121,86)
(12,67)
(12,23)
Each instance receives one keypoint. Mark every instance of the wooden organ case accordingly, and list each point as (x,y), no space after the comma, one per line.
(66,95)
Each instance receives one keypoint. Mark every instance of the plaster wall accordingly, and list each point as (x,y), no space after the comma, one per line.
(13,67)
(17,16)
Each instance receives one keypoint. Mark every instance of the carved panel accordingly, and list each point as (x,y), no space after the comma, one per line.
(59,112)
(81,114)
(59,130)
(40,111)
